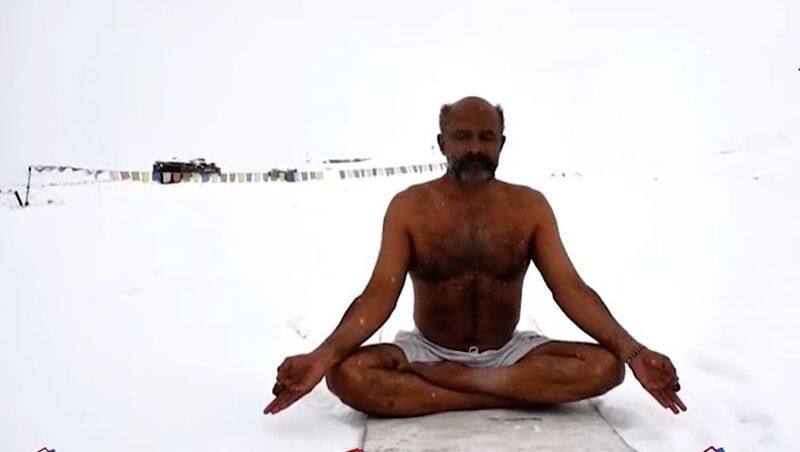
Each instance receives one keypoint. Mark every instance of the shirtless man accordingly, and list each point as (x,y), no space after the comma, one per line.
(467,239)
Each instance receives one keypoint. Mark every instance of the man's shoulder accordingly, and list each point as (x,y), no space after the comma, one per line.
(414,192)
(404,199)
(521,192)
(528,203)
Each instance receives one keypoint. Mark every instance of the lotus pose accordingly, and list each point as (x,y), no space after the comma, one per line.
(466,239)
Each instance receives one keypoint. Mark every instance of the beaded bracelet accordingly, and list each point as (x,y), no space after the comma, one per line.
(634,353)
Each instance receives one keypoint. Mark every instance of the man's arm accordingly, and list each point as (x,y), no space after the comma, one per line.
(299,374)
(373,307)
(578,301)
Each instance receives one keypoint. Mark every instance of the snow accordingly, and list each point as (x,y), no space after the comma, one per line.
(159,301)
(141,316)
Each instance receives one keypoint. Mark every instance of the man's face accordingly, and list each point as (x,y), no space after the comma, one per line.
(472,141)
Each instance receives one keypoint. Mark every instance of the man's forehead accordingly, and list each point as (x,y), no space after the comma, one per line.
(473,109)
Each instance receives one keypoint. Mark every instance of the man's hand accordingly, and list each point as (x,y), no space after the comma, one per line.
(297,376)
(658,376)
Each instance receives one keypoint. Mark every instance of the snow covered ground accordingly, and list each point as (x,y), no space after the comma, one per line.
(149,317)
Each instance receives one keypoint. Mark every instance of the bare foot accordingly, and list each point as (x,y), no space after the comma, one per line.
(447,374)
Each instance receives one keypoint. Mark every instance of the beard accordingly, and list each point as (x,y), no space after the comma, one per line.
(469,161)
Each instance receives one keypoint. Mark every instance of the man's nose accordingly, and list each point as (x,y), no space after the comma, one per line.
(474,146)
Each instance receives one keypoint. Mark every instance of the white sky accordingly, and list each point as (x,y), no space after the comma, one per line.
(119,84)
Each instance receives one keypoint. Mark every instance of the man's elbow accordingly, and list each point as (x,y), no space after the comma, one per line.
(383,300)
(384,290)
(571,292)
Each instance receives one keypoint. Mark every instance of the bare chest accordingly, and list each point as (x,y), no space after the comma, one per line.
(490,241)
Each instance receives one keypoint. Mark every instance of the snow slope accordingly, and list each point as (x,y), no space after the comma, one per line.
(148,317)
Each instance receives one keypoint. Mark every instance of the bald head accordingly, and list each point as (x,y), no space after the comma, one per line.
(471,138)
(471,104)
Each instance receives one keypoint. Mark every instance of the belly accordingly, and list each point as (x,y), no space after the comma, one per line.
(472,309)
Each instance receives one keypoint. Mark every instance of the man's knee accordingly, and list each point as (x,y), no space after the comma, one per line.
(343,377)
(350,374)
(607,370)
(350,382)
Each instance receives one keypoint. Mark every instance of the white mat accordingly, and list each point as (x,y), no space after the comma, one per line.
(571,427)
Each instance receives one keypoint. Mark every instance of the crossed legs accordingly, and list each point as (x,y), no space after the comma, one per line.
(377,379)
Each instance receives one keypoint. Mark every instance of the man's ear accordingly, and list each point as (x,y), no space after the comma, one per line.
(502,142)
(440,141)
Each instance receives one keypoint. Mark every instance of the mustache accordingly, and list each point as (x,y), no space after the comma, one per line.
(464,162)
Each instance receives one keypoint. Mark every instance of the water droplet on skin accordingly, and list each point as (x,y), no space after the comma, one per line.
(361,320)
(358,362)
(433,394)
(394,279)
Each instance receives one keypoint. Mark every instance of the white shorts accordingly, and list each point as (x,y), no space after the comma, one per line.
(418,348)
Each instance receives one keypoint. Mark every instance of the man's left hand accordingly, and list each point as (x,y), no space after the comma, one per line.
(658,376)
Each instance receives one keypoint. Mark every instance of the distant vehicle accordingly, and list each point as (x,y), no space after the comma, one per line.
(353,160)
(173,167)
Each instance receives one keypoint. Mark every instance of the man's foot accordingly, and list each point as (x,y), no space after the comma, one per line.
(447,374)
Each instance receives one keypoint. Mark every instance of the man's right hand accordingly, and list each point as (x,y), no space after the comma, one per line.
(297,376)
